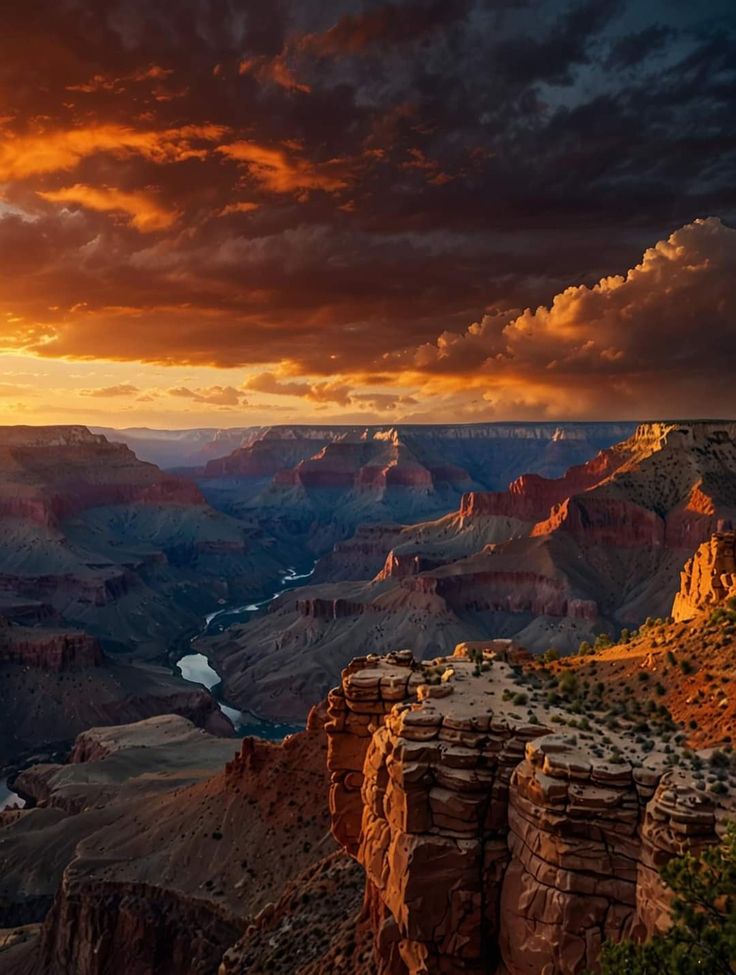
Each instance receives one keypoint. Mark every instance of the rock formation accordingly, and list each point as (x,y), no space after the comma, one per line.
(490,843)
(708,578)
(54,650)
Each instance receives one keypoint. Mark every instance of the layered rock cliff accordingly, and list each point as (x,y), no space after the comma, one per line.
(709,577)
(53,650)
(490,843)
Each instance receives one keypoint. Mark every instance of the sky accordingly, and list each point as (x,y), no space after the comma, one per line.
(221,213)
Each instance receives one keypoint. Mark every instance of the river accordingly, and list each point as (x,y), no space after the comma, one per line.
(8,797)
(196,668)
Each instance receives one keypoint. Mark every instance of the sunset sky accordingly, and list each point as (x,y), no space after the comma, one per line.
(225,212)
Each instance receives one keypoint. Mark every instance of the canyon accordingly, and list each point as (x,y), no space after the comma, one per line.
(485,811)
(461,804)
(108,564)
(552,562)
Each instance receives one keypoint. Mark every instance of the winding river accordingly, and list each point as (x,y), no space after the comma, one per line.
(196,668)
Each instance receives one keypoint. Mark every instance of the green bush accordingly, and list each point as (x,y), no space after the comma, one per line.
(702,939)
(568,684)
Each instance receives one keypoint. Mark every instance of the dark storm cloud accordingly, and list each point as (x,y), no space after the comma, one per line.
(212,181)
(631,49)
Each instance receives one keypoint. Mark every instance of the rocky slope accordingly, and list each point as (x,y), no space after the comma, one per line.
(552,562)
(155,851)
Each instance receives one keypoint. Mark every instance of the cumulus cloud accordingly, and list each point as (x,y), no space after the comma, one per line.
(660,334)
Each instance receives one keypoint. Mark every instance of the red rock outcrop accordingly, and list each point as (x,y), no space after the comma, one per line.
(490,844)
(596,521)
(530,497)
(48,650)
(490,582)
(708,578)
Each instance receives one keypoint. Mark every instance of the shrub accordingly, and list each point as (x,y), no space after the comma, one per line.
(568,684)
(702,939)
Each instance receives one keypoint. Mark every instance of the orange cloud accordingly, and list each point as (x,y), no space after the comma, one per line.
(280,172)
(241,206)
(105,392)
(274,70)
(23,156)
(336,391)
(214,395)
(102,82)
(332,391)
(145,212)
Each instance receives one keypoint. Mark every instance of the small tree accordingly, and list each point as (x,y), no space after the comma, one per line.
(702,939)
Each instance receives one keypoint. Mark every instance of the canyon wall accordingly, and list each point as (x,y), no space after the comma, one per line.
(56,651)
(708,578)
(489,842)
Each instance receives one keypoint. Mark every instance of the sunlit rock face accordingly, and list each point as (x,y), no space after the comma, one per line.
(708,578)
(489,842)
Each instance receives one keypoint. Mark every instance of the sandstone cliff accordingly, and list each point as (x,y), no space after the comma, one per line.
(708,578)
(490,843)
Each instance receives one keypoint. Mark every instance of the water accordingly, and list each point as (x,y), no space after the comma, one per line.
(7,797)
(222,618)
(195,667)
